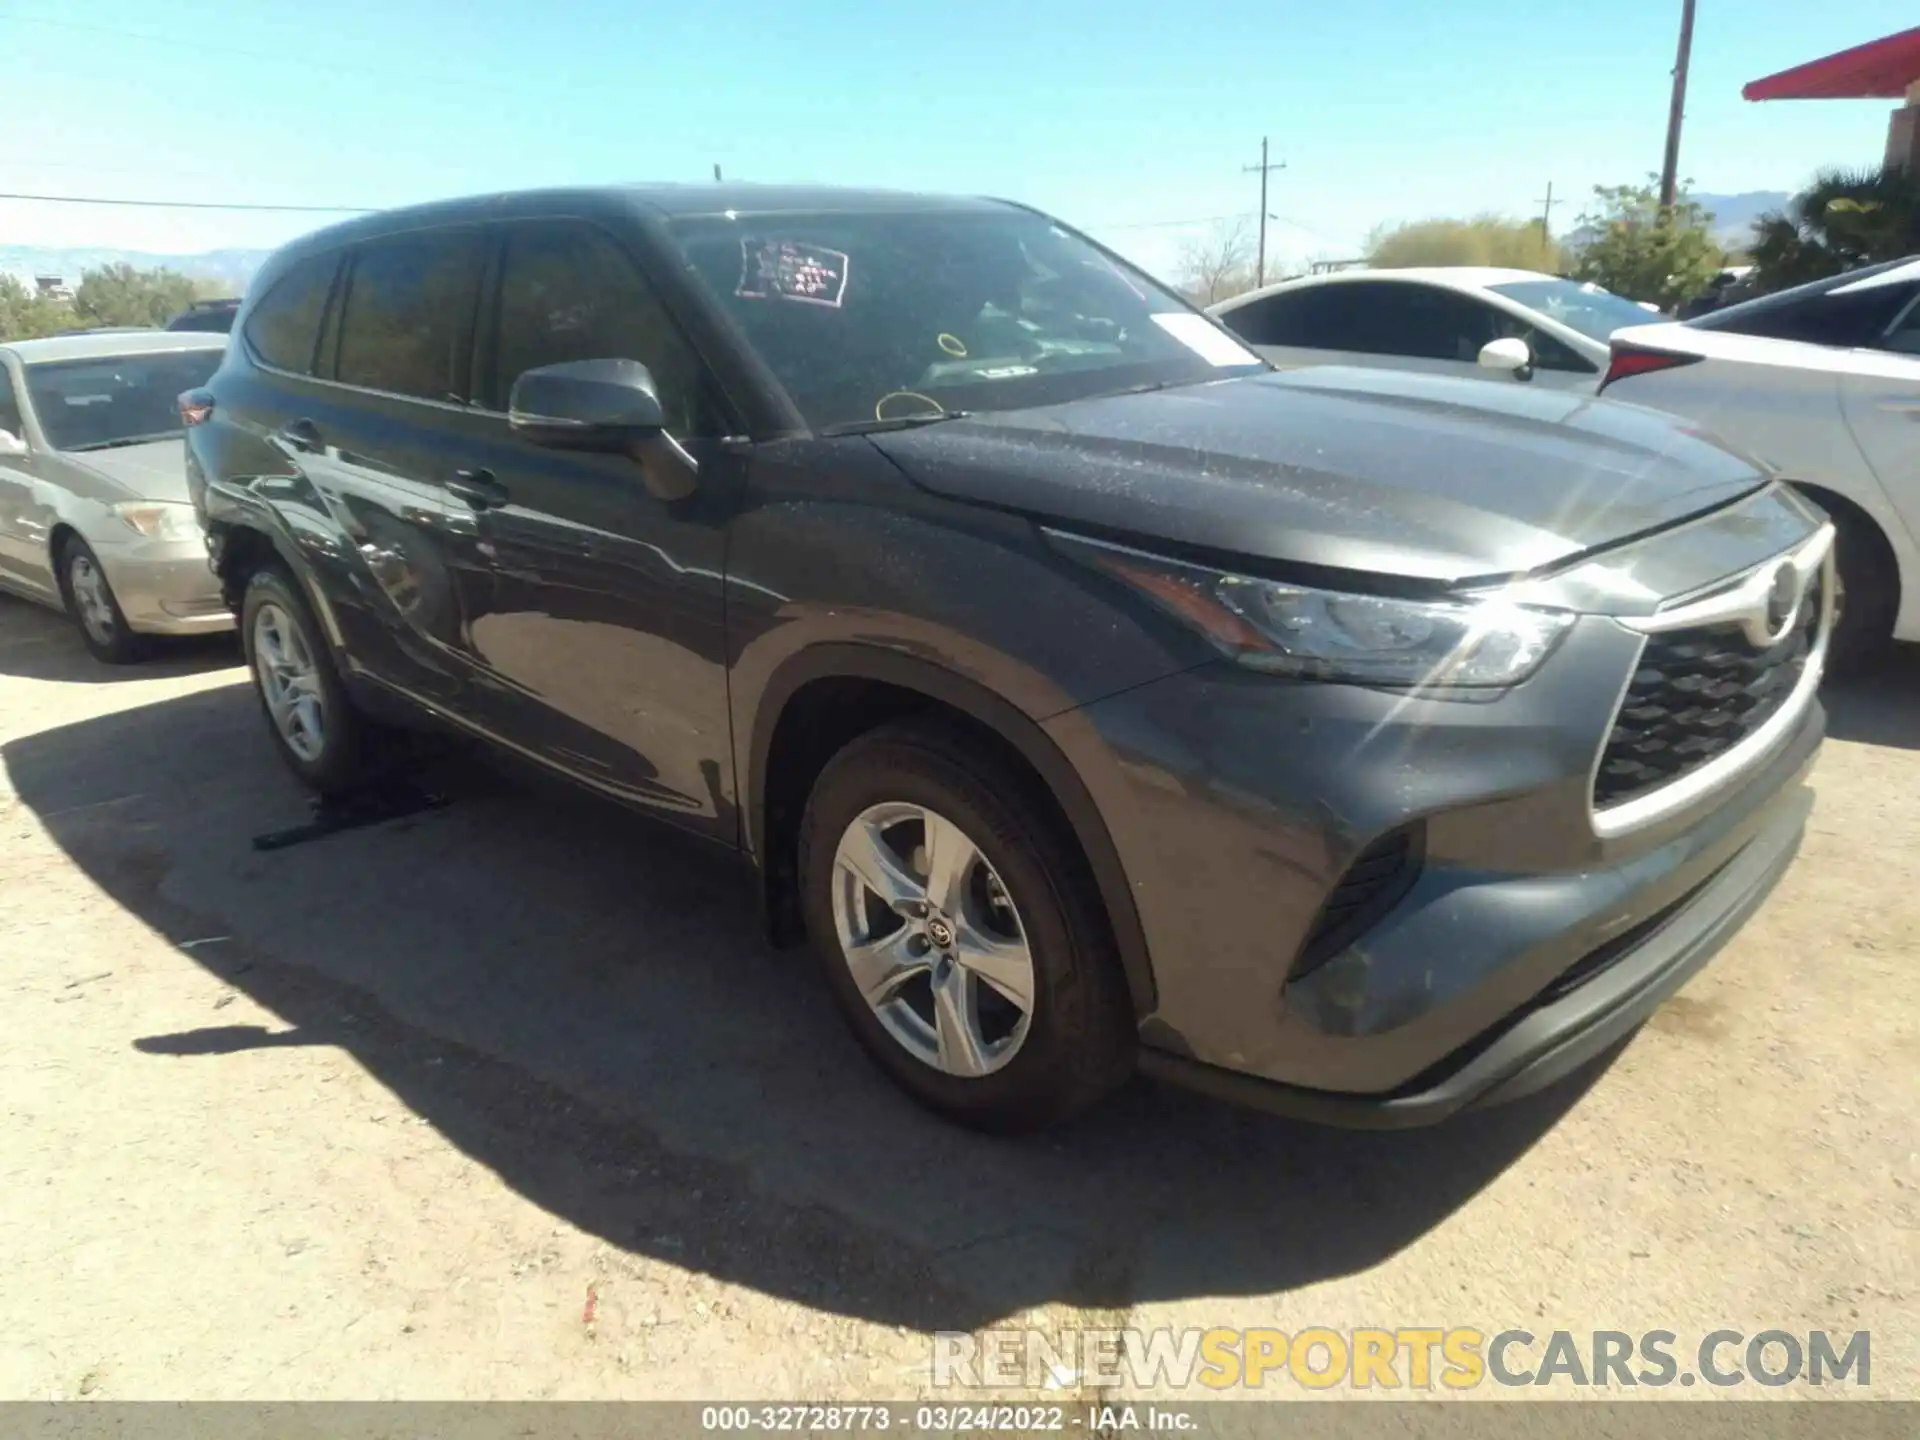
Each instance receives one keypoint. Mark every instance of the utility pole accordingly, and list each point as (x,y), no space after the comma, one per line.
(1546,213)
(1670,169)
(1260,265)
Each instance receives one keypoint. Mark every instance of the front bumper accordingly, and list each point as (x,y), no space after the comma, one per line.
(166,587)
(1546,1041)
(1239,803)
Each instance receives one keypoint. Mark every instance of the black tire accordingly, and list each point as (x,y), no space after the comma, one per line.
(1079,1042)
(110,640)
(1870,591)
(349,744)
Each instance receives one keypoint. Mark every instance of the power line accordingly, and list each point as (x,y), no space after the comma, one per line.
(439,80)
(186,204)
(302,59)
(1164,224)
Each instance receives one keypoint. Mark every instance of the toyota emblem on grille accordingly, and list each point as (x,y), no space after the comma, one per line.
(1783,601)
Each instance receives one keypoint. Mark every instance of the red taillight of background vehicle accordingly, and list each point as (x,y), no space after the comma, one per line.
(1642,360)
(195,407)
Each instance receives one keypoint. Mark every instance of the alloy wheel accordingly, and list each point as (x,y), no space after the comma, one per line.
(92,598)
(932,939)
(289,682)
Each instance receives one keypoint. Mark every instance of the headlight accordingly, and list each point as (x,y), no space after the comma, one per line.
(1312,634)
(158,519)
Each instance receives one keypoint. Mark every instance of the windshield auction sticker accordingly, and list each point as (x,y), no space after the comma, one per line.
(792,270)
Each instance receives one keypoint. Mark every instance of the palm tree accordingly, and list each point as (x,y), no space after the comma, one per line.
(1845,219)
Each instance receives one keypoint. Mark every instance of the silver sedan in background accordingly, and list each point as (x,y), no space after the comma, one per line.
(94,516)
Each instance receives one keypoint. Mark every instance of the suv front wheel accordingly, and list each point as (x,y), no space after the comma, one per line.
(315,726)
(960,934)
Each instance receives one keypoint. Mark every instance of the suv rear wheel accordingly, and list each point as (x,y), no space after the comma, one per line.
(315,726)
(959,933)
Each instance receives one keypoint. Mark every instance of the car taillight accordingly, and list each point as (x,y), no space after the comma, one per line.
(1641,360)
(195,407)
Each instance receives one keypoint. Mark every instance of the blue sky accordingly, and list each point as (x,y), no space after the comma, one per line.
(1120,115)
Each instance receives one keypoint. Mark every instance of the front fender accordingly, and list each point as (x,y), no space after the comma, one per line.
(915,673)
(238,522)
(838,566)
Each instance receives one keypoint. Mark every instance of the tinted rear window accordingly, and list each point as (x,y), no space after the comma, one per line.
(1374,317)
(285,325)
(211,322)
(408,318)
(1816,314)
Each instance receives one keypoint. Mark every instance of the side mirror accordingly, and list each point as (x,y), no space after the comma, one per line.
(605,405)
(586,405)
(11,444)
(1509,354)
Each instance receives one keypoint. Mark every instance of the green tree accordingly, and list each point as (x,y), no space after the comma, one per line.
(1642,252)
(26,314)
(1482,240)
(1845,219)
(121,295)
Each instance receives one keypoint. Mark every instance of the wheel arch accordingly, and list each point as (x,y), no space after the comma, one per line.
(825,696)
(1843,509)
(246,537)
(57,538)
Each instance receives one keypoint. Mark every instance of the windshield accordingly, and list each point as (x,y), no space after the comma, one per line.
(1594,312)
(868,319)
(115,399)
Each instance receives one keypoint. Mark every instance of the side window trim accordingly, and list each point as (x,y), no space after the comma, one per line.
(460,383)
(10,406)
(326,343)
(326,311)
(1894,326)
(488,322)
(483,354)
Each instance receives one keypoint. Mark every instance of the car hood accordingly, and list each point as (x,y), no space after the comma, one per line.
(1418,476)
(155,470)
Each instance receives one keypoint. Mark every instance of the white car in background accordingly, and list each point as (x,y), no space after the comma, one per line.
(1508,325)
(1822,383)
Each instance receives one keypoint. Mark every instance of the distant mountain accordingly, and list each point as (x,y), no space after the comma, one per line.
(1733,217)
(233,268)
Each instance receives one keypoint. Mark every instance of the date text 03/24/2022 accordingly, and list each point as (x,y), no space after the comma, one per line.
(945,1419)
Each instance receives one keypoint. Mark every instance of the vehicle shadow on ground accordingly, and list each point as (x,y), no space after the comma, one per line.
(37,644)
(1880,707)
(583,1004)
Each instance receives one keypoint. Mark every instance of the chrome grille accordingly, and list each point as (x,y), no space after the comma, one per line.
(1713,675)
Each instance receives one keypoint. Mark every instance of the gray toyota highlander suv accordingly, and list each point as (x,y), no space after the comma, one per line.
(1089,695)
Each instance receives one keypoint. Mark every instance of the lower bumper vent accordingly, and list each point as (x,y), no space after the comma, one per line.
(1372,886)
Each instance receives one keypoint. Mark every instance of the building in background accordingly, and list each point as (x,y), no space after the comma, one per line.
(1888,68)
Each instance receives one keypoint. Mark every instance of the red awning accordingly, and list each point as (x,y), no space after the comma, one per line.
(1880,69)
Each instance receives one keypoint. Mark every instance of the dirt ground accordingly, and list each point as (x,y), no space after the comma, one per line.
(509,1100)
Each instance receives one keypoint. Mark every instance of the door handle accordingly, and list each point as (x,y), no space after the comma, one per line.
(301,435)
(478,489)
